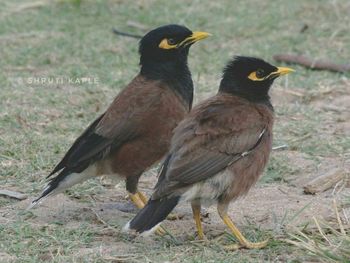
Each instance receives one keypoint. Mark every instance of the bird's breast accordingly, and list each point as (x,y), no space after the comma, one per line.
(153,140)
(210,190)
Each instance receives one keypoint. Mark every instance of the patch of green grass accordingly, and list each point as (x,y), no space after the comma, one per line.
(43,243)
(278,170)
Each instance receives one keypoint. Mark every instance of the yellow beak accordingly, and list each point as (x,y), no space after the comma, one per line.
(283,71)
(196,36)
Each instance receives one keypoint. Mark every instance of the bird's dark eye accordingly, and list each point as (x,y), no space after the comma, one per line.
(171,41)
(260,73)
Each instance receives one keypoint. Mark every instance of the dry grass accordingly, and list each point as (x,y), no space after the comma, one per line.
(329,243)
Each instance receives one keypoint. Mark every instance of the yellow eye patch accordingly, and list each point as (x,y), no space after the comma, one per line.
(280,71)
(253,76)
(170,43)
(164,44)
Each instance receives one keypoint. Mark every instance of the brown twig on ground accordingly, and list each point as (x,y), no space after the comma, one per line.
(312,63)
(32,5)
(124,34)
(324,181)
(13,194)
(280,147)
(99,219)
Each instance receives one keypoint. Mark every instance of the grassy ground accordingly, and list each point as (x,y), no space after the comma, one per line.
(73,39)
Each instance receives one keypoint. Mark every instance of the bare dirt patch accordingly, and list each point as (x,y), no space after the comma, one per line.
(268,207)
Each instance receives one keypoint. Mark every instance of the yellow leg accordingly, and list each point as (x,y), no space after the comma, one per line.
(242,240)
(143,197)
(196,209)
(136,200)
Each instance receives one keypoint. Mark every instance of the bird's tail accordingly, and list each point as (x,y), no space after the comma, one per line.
(152,214)
(62,182)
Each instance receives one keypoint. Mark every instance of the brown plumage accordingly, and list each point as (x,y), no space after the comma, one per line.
(209,140)
(220,149)
(163,110)
(135,131)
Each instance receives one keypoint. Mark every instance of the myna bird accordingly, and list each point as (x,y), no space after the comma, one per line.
(135,131)
(219,150)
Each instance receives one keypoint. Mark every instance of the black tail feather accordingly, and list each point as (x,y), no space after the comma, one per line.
(78,142)
(50,187)
(153,213)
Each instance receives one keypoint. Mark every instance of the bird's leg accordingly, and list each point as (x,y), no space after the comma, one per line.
(196,210)
(135,198)
(138,198)
(143,197)
(242,240)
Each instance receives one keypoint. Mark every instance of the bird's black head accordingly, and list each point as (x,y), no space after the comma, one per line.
(163,56)
(250,78)
(168,43)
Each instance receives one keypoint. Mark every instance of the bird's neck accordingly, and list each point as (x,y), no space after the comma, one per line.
(175,74)
(256,97)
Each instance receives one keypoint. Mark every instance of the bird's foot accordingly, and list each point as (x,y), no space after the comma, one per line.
(202,237)
(160,231)
(173,216)
(243,242)
(135,198)
(143,197)
(247,245)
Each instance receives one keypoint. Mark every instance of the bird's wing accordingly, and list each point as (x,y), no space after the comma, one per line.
(88,133)
(207,141)
(121,122)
